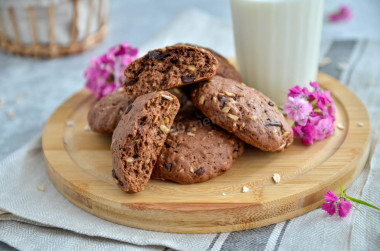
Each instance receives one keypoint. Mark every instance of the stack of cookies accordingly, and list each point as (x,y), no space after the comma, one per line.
(183,116)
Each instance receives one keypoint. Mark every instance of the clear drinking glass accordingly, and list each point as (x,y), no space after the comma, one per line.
(277,43)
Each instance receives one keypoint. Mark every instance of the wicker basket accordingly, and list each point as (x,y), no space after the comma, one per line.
(51,28)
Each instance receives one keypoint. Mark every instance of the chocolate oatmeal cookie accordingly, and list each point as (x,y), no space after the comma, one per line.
(225,69)
(196,151)
(138,139)
(105,114)
(245,112)
(163,69)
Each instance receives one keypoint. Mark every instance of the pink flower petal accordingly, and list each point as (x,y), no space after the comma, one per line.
(330,196)
(295,91)
(298,109)
(329,208)
(324,128)
(343,14)
(344,208)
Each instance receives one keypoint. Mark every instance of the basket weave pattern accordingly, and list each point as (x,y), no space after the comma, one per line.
(53,48)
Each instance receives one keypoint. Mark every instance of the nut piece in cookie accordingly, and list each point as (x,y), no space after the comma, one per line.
(225,69)
(163,69)
(106,113)
(245,112)
(196,151)
(139,137)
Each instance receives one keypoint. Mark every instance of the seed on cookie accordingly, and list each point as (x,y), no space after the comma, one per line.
(286,134)
(191,67)
(164,129)
(191,134)
(166,120)
(254,117)
(230,94)
(166,97)
(130,159)
(233,117)
(201,100)
(226,109)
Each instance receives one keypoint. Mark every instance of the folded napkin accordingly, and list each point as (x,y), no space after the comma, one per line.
(45,220)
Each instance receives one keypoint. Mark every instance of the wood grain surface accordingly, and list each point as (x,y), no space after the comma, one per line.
(79,164)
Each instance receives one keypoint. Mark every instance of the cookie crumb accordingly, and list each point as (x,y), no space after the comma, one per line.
(340,126)
(18,98)
(276,178)
(224,194)
(10,115)
(324,61)
(286,134)
(360,124)
(368,84)
(342,66)
(86,128)
(70,123)
(41,188)
(245,189)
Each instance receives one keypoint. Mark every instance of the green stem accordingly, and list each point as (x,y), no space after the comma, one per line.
(361,202)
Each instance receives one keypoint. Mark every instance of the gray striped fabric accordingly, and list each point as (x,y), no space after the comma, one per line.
(34,220)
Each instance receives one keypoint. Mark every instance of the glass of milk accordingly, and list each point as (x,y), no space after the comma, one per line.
(277,43)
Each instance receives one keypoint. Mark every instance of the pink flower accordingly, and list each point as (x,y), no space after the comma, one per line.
(344,208)
(343,14)
(330,196)
(298,109)
(106,72)
(329,208)
(305,133)
(296,91)
(333,202)
(324,128)
(313,113)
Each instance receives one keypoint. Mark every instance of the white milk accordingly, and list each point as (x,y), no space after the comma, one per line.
(277,43)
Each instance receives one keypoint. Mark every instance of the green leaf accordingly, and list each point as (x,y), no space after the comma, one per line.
(280,108)
(362,202)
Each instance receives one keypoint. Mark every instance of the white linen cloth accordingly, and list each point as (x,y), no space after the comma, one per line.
(31,219)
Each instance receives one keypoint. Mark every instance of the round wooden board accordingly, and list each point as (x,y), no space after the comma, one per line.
(79,164)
